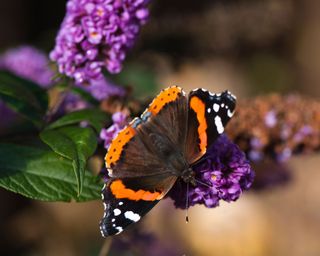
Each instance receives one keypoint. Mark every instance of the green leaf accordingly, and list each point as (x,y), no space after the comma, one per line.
(43,175)
(24,97)
(95,117)
(74,143)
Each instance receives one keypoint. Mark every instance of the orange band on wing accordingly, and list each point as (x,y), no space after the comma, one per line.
(199,108)
(115,149)
(168,95)
(119,190)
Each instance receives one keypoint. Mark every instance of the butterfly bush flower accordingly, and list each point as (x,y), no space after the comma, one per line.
(276,127)
(120,120)
(223,174)
(97,34)
(29,63)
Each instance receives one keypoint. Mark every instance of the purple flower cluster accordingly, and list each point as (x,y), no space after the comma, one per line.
(97,34)
(120,120)
(223,174)
(29,63)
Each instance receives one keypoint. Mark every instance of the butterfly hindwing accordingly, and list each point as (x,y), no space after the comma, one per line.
(208,114)
(127,200)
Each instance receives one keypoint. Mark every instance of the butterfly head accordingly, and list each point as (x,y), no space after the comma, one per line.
(188,176)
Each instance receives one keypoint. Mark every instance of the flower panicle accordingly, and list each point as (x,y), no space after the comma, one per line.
(97,34)
(276,127)
(29,63)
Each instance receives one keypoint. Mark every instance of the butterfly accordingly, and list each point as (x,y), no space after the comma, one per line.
(149,155)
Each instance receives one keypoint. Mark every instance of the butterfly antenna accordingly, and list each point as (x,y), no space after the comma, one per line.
(187,203)
(203,183)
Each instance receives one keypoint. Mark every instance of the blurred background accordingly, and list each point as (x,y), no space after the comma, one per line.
(249,47)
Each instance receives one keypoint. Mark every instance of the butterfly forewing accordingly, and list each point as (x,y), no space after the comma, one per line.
(150,139)
(208,114)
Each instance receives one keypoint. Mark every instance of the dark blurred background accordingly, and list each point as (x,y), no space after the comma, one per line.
(268,45)
(252,47)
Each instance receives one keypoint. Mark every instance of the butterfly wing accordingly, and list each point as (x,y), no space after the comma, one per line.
(127,200)
(143,146)
(208,114)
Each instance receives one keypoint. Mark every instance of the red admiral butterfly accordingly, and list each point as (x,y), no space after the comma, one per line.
(149,155)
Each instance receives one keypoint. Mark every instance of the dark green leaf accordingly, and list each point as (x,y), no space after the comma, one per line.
(42,174)
(24,109)
(74,143)
(24,97)
(95,117)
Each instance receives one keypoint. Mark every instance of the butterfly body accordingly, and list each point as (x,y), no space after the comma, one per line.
(154,151)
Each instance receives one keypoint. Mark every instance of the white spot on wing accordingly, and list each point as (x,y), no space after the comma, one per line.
(104,212)
(120,229)
(113,220)
(132,216)
(120,203)
(230,114)
(216,107)
(219,125)
(116,212)
(101,231)
(209,110)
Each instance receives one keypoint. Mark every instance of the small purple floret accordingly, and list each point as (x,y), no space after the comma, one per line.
(271,119)
(120,120)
